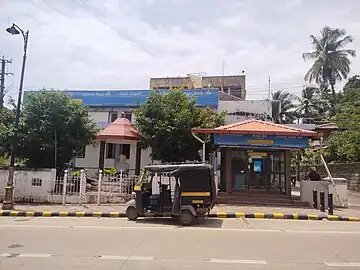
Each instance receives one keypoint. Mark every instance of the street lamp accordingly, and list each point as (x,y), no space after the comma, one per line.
(8,203)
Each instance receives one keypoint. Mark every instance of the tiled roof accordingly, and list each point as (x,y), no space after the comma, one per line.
(228,97)
(120,129)
(330,126)
(102,125)
(257,127)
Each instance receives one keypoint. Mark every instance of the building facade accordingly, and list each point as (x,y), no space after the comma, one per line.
(232,84)
(106,106)
(240,110)
(253,159)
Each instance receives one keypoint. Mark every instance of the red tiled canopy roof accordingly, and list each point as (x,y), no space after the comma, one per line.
(256,127)
(120,129)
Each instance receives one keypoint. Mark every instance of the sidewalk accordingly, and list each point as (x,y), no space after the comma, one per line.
(352,211)
(220,208)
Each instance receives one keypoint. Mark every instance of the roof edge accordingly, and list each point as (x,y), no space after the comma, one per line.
(304,133)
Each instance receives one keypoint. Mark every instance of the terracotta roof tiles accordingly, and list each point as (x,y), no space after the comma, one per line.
(257,127)
(120,129)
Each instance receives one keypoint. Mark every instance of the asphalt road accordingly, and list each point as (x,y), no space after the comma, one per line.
(94,243)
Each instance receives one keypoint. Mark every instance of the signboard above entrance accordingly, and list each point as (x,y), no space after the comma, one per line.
(288,142)
(134,98)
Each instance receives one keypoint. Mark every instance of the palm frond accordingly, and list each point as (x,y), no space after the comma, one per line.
(340,43)
(331,61)
(333,34)
(310,55)
(347,52)
(315,72)
(316,43)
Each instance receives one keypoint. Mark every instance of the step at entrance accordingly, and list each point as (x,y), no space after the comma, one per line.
(260,199)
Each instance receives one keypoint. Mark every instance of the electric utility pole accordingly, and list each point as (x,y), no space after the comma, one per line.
(3,73)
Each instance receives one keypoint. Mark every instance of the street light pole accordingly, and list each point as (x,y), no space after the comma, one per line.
(8,203)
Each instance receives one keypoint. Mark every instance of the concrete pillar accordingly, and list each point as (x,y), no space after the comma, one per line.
(117,154)
(102,155)
(137,159)
(228,153)
(223,169)
(287,167)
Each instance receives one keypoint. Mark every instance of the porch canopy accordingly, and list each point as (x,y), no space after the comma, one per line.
(256,156)
(259,134)
(119,132)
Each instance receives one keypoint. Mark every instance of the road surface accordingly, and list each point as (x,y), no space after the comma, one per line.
(95,243)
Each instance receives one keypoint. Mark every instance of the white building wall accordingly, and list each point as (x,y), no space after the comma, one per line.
(241,110)
(145,157)
(100,116)
(92,152)
(237,111)
(25,187)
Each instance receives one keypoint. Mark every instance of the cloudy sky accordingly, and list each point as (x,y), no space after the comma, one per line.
(120,44)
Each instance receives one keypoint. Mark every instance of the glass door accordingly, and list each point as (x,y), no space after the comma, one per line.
(277,173)
(258,173)
(239,170)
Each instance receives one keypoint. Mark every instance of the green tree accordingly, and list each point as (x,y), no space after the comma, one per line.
(7,118)
(165,122)
(330,59)
(309,105)
(287,114)
(353,82)
(344,146)
(348,110)
(324,97)
(53,127)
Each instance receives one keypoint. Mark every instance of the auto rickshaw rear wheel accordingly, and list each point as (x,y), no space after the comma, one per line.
(186,218)
(132,213)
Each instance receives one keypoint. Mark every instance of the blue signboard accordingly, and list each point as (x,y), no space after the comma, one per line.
(134,98)
(257,166)
(262,141)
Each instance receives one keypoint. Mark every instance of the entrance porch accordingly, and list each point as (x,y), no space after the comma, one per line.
(253,161)
(252,175)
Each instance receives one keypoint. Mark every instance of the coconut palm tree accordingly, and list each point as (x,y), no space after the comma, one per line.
(309,105)
(285,101)
(330,60)
(324,96)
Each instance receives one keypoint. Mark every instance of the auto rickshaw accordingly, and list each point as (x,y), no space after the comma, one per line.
(184,191)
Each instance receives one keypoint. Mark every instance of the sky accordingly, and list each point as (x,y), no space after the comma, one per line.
(120,44)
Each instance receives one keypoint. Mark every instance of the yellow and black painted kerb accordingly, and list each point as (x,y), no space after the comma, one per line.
(60,214)
(294,216)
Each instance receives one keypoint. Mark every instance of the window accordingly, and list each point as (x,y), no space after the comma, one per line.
(36,182)
(126,150)
(115,115)
(81,154)
(110,150)
(128,115)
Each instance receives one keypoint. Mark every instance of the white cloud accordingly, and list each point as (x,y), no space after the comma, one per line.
(289,4)
(119,44)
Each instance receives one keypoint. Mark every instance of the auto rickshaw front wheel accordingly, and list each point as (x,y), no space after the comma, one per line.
(186,218)
(132,213)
